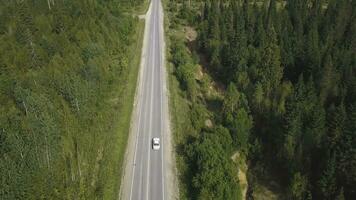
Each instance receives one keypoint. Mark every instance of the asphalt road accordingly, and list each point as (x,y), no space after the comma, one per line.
(147,173)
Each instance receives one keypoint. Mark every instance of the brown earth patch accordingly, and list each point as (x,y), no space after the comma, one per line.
(190,33)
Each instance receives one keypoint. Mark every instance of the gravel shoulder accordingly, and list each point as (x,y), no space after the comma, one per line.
(125,186)
(171,177)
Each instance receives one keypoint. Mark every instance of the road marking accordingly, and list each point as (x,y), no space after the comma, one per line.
(151,107)
(162,103)
(150,61)
(141,94)
(137,135)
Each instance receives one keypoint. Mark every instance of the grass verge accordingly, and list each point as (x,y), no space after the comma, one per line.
(143,7)
(126,108)
(178,106)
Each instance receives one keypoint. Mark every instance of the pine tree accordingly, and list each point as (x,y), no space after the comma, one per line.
(327,182)
(329,80)
(240,129)
(258,96)
(341,195)
(287,49)
(271,14)
(336,125)
(346,152)
(298,188)
(231,100)
(313,51)
(260,36)
(271,71)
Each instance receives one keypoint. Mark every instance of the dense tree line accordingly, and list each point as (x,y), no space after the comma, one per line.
(210,173)
(204,152)
(61,63)
(289,68)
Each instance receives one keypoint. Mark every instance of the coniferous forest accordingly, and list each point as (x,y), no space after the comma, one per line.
(288,74)
(275,97)
(64,76)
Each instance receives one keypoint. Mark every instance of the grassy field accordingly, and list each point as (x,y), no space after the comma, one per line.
(194,104)
(143,7)
(178,106)
(67,93)
(125,109)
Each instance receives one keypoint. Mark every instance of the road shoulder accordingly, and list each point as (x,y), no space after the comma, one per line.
(127,169)
(171,183)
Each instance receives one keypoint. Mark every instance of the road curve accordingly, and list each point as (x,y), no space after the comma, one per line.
(145,174)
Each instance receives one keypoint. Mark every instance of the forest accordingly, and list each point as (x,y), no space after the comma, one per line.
(65,69)
(288,74)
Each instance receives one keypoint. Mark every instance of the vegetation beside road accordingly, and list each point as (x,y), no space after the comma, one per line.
(68,75)
(125,112)
(290,101)
(206,170)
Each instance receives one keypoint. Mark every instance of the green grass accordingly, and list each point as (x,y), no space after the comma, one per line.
(178,108)
(66,111)
(143,8)
(126,108)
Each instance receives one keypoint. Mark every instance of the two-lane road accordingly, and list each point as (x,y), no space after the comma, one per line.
(145,171)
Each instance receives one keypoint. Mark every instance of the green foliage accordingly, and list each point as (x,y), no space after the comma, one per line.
(184,68)
(327,183)
(241,127)
(203,147)
(298,188)
(214,177)
(231,100)
(290,68)
(64,75)
(341,195)
(237,118)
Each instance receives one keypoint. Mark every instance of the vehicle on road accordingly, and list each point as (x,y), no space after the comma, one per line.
(155,144)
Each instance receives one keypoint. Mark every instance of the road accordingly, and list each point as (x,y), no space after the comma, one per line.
(145,173)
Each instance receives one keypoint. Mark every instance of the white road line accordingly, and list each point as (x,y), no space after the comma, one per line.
(137,135)
(149,112)
(162,105)
(151,109)
(140,106)
(141,165)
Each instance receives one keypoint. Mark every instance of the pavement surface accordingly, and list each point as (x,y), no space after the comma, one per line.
(149,174)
